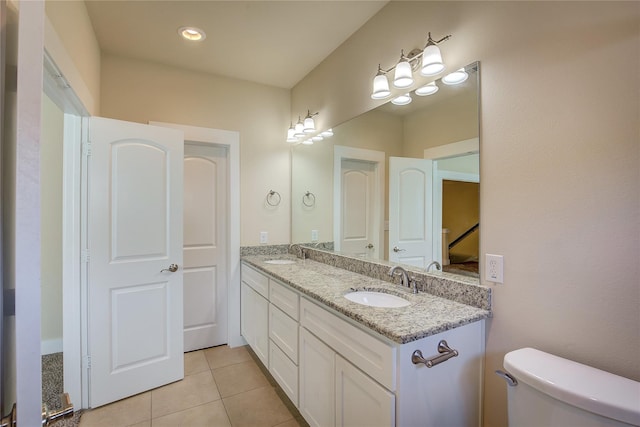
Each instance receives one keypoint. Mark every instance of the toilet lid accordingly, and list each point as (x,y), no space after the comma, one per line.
(576,384)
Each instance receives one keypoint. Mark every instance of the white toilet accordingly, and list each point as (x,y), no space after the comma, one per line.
(546,390)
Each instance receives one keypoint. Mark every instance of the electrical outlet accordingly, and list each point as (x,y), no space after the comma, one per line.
(314,235)
(494,268)
(264,237)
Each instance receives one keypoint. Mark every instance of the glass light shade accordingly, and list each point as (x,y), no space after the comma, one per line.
(327,133)
(428,89)
(380,87)
(299,129)
(291,137)
(307,142)
(309,125)
(431,61)
(317,138)
(403,76)
(456,77)
(402,99)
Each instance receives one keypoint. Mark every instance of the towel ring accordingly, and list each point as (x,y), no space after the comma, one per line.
(309,199)
(273,194)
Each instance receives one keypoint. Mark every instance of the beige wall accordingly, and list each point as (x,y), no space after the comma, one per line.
(140,91)
(70,40)
(51,226)
(560,163)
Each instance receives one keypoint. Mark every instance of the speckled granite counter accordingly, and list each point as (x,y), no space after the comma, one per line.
(427,315)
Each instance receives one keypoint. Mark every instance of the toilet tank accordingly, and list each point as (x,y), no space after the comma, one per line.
(553,391)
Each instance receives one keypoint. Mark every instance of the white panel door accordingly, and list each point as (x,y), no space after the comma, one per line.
(205,243)
(135,302)
(410,211)
(358,231)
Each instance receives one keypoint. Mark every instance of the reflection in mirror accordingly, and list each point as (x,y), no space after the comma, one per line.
(419,204)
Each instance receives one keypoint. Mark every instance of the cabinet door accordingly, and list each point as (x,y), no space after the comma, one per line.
(254,318)
(317,381)
(360,401)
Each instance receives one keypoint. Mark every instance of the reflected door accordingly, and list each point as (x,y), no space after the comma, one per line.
(205,257)
(410,211)
(135,234)
(358,231)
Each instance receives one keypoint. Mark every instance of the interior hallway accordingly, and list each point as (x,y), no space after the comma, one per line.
(222,387)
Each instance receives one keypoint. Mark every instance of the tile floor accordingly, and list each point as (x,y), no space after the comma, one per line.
(222,387)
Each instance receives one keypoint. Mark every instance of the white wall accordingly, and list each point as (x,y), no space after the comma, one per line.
(70,40)
(51,226)
(141,91)
(560,163)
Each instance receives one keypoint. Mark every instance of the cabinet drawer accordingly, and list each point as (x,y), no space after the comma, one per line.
(283,331)
(284,371)
(258,281)
(284,298)
(371,355)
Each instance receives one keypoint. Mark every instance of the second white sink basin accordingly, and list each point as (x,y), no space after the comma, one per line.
(280,261)
(377,299)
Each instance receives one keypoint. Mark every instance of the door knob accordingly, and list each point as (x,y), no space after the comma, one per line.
(397,249)
(172,268)
(369,246)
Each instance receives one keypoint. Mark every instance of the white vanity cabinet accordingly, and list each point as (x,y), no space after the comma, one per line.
(341,373)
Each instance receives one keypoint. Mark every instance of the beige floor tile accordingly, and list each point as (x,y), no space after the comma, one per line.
(195,362)
(291,423)
(208,415)
(256,408)
(122,413)
(192,391)
(224,356)
(238,378)
(142,424)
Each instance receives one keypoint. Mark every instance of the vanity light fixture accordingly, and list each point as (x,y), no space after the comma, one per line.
(305,132)
(403,76)
(402,99)
(192,34)
(456,77)
(428,89)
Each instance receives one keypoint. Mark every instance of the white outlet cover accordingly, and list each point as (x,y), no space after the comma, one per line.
(494,268)
(264,237)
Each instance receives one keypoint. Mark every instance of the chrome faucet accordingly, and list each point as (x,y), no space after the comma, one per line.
(404,275)
(436,263)
(298,252)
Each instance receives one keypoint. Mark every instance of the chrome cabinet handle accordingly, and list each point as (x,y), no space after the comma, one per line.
(172,268)
(397,249)
(445,353)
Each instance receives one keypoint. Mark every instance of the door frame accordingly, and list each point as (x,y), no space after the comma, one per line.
(230,140)
(454,149)
(372,156)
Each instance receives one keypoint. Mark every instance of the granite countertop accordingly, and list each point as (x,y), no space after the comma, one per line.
(427,315)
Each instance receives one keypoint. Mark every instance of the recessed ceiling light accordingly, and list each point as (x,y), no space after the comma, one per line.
(192,33)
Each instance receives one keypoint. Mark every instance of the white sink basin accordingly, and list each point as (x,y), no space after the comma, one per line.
(280,261)
(377,299)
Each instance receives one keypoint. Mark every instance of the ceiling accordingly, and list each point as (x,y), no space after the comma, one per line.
(275,43)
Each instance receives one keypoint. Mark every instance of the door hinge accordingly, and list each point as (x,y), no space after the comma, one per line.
(86,362)
(86,257)
(86,148)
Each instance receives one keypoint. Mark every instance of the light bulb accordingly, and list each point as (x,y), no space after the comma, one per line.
(299,129)
(309,125)
(291,137)
(431,60)
(327,133)
(317,138)
(380,85)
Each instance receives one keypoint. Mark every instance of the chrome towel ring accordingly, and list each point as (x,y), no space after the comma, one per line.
(309,199)
(273,198)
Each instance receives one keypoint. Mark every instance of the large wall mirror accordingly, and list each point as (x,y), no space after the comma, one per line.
(399,183)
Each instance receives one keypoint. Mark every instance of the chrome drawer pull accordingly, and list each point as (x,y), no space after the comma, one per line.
(445,351)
